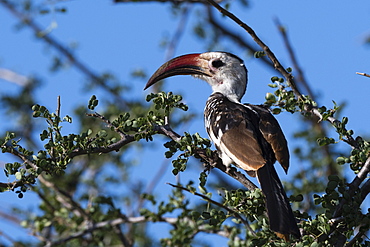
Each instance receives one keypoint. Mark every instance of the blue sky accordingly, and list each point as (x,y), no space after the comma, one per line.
(327,36)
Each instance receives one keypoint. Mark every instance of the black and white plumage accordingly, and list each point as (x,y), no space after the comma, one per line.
(229,125)
(245,135)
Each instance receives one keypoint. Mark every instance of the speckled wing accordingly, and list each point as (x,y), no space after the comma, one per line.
(273,134)
(234,129)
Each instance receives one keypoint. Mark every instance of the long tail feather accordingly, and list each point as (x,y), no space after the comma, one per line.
(278,207)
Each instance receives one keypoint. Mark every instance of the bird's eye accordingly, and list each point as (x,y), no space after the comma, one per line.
(217,63)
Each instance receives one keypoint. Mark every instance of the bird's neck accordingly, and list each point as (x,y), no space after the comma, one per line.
(230,89)
(231,96)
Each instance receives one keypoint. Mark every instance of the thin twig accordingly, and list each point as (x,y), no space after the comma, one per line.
(50,207)
(231,211)
(50,40)
(299,75)
(332,167)
(64,51)
(12,76)
(167,131)
(11,217)
(11,185)
(124,240)
(65,199)
(179,32)
(364,74)
(238,39)
(103,224)
(107,149)
(125,139)
(23,157)
(277,65)
(9,238)
(109,124)
(58,106)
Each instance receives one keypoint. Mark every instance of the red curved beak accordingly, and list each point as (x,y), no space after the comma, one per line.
(190,64)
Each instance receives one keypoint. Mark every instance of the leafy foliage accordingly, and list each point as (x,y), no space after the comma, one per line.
(84,203)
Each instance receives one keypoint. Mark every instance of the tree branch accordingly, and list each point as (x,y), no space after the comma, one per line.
(235,36)
(300,75)
(109,124)
(213,160)
(354,186)
(364,74)
(11,185)
(97,226)
(277,65)
(11,76)
(238,216)
(65,199)
(50,40)
(122,220)
(179,32)
(63,50)
(112,147)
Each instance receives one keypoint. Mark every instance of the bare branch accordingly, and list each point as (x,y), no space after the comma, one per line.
(122,220)
(11,76)
(11,217)
(235,36)
(277,65)
(300,75)
(58,106)
(126,242)
(50,40)
(65,199)
(364,74)
(179,32)
(103,224)
(63,50)
(215,161)
(9,238)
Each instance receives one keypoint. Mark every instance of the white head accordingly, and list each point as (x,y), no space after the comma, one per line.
(223,71)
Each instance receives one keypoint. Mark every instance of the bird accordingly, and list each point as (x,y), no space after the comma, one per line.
(245,135)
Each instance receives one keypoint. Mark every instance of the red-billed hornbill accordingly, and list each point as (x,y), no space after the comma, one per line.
(245,135)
